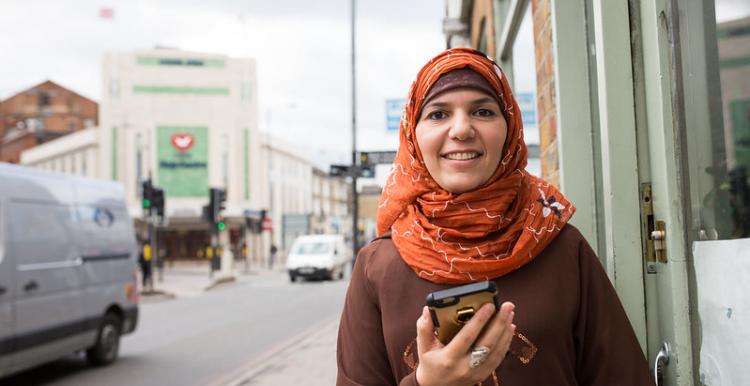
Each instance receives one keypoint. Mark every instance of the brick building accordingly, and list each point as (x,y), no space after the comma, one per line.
(40,114)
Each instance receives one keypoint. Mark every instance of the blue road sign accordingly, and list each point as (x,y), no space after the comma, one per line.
(393,110)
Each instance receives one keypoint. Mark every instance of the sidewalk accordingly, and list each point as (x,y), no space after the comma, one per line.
(308,359)
(190,279)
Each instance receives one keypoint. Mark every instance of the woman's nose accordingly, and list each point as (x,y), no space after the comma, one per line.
(462,128)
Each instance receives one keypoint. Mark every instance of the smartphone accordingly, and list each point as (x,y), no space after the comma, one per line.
(452,308)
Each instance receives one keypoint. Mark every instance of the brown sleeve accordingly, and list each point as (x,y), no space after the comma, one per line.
(608,352)
(361,353)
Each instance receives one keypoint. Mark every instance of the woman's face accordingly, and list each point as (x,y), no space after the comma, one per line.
(461,134)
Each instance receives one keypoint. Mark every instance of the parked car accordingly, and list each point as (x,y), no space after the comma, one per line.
(68,279)
(318,256)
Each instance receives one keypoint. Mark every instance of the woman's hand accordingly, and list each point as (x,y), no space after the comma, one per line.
(449,364)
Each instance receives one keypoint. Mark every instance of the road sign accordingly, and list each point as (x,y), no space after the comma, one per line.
(376,157)
(359,171)
(394,108)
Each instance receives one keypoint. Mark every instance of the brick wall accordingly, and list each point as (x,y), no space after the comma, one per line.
(546,97)
(62,112)
(483,26)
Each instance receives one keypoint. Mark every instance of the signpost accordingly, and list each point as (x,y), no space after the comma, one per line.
(358,171)
(376,157)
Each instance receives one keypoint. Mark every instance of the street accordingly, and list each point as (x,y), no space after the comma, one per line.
(235,333)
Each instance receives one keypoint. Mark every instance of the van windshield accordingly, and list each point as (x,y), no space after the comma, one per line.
(312,248)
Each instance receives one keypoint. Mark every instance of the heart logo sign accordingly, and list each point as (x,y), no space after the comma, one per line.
(183,142)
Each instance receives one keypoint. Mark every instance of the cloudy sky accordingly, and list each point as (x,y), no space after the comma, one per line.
(302,49)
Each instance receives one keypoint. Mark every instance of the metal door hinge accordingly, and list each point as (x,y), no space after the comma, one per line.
(654,232)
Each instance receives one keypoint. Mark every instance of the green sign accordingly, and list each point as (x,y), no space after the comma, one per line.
(183,160)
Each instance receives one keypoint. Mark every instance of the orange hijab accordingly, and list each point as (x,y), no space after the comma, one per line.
(481,234)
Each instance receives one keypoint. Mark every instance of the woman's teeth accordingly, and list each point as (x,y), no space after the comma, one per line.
(462,156)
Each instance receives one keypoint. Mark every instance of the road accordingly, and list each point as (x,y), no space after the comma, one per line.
(208,339)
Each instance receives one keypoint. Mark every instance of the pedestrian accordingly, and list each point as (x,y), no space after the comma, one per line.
(272,257)
(459,207)
(144,258)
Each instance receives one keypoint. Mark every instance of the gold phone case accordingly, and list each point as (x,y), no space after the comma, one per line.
(450,313)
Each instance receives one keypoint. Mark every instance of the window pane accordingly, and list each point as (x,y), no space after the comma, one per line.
(524,86)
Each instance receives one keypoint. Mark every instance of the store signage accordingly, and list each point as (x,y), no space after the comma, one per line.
(183,160)
(183,141)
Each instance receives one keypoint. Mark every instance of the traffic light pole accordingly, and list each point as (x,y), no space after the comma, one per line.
(154,250)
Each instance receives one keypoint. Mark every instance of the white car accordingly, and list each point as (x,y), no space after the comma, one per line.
(318,256)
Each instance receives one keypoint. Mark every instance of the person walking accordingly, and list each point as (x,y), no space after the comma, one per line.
(272,256)
(459,207)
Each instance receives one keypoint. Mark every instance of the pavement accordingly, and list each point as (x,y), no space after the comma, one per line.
(309,358)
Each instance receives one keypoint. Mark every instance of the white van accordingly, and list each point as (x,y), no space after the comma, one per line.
(318,256)
(68,279)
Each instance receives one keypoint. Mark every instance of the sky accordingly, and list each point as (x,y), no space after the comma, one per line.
(302,49)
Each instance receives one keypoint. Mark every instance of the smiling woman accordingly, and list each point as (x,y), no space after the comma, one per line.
(461,131)
(459,208)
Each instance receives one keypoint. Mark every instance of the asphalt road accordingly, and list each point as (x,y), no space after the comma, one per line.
(205,340)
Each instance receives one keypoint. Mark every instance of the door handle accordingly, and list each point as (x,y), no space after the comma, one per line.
(31,286)
(662,360)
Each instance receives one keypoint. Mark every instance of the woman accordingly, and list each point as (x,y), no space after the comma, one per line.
(458,208)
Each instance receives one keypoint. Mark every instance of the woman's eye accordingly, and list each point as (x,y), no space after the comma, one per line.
(436,115)
(484,113)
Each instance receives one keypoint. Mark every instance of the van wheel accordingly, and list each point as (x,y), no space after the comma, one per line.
(292,278)
(107,345)
(341,273)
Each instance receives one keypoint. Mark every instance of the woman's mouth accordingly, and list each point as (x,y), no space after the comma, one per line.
(462,156)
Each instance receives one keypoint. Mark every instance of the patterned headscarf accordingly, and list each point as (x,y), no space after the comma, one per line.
(477,235)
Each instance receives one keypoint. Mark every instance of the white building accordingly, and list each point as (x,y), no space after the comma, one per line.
(189,121)
(76,153)
(301,199)
(330,197)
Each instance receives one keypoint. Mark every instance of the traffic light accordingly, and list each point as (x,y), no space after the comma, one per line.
(146,195)
(217,200)
(157,201)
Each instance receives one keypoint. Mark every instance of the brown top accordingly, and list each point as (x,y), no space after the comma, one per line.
(571,327)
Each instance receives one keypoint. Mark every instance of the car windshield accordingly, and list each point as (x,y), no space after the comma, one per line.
(312,248)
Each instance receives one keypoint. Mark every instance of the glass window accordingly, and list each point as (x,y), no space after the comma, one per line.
(41,233)
(524,86)
(723,165)
(312,248)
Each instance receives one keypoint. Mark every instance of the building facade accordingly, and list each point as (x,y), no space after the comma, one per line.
(76,153)
(330,210)
(40,114)
(188,122)
(644,119)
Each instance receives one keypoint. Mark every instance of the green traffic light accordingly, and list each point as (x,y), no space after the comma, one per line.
(146,203)
(220,225)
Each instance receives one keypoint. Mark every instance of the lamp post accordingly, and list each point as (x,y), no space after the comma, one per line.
(355,198)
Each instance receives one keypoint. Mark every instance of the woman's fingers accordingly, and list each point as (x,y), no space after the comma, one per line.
(425,336)
(464,340)
(499,325)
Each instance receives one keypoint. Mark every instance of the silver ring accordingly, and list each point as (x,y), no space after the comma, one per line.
(478,355)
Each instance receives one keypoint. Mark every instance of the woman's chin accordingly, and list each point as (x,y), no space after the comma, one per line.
(460,186)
